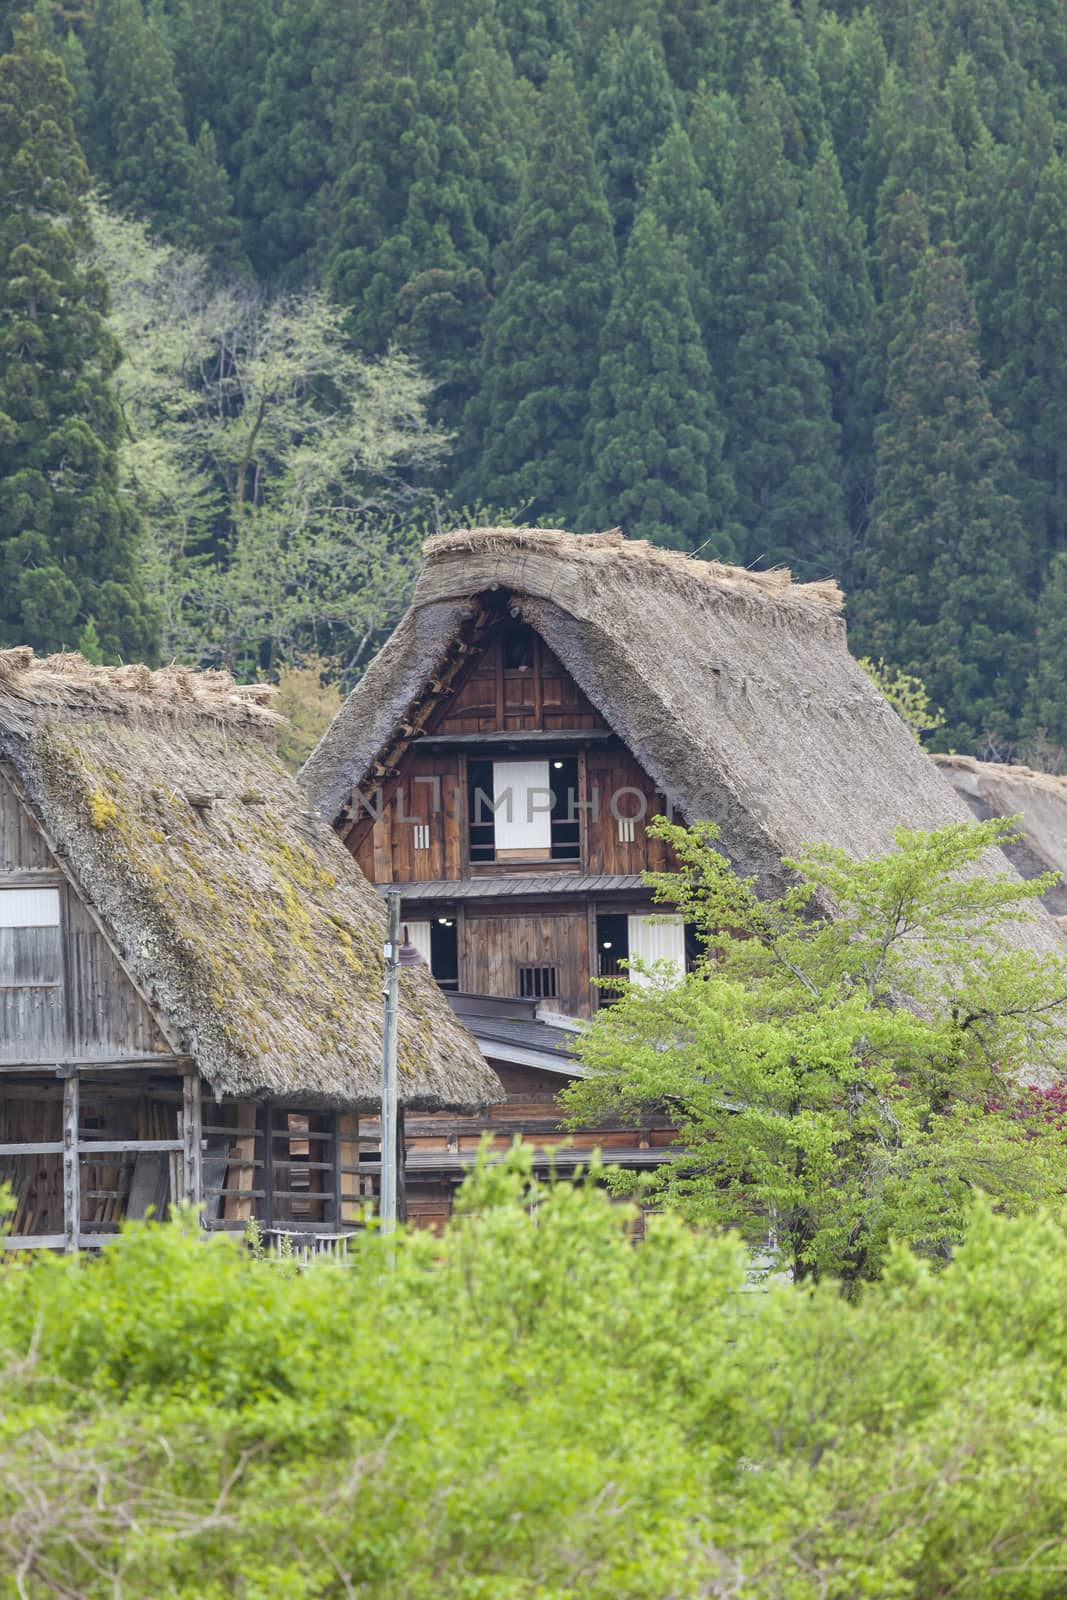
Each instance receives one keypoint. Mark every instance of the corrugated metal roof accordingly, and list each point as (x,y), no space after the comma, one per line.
(529,885)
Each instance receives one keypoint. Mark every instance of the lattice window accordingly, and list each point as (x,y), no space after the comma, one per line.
(422,836)
(538,983)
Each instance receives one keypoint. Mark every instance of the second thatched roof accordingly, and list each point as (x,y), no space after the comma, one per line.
(735,691)
(237,911)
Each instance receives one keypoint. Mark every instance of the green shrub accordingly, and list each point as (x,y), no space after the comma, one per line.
(531,1408)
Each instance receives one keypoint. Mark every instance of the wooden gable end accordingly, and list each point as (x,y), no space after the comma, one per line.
(515,684)
(65,994)
(512,702)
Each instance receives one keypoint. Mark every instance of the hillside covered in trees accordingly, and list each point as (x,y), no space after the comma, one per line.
(781,283)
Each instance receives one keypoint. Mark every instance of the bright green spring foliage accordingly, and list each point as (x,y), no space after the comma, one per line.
(907,695)
(841,1080)
(531,1408)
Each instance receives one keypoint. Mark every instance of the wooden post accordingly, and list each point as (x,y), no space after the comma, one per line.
(72,1202)
(401,1163)
(391,996)
(268,1164)
(192,1180)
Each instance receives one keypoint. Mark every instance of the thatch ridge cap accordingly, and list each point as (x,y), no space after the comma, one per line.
(606,549)
(1011,771)
(69,683)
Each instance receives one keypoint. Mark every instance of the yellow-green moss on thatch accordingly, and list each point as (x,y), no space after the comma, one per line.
(237,910)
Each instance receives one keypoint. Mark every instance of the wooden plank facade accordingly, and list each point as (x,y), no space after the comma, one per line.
(534,926)
(432,822)
(101,1116)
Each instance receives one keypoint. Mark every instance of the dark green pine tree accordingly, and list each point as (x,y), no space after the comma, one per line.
(191,29)
(944,591)
(842,283)
(765,41)
(207,222)
(406,185)
(693,35)
(1046,702)
(535,31)
(634,111)
(523,431)
(653,441)
(676,197)
(851,62)
(68,539)
(714,131)
(1035,377)
(986,34)
(924,154)
(995,218)
(314,73)
(441,310)
(769,341)
(140,151)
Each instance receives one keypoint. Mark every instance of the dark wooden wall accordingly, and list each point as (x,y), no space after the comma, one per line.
(85,1008)
(495,699)
(495,946)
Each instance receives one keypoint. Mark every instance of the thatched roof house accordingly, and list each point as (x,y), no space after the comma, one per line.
(734,690)
(245,926)
(1037,799)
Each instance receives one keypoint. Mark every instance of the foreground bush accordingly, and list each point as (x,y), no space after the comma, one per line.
(532,1409)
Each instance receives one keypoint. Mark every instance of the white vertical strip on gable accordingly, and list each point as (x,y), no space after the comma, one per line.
(526,822)
(656,939)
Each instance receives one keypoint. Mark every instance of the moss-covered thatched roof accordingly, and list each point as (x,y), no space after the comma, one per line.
(735,690)
(237,910)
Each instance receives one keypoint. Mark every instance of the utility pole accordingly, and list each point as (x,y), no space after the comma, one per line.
(391,994)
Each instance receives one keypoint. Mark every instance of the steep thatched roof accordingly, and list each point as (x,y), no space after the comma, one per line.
(240,914)
(1038,799)
(735,690)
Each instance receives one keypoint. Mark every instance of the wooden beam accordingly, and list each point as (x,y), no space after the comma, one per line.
(71,1168)
(192,1176)
(119,1064)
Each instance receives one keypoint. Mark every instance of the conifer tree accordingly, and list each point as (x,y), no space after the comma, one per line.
(842,283)
(676,197)
(654,439)
(782,442)
(314,70)
(765,41)
(523,431)
(441,310)
(68,541)
(1046,703)
(995,218)
(140,151)
(946,563)
(535,32)
(207,221)
(714,130)
(851,62)
(405,192)
(924,153)
(634,111)
(1035,379)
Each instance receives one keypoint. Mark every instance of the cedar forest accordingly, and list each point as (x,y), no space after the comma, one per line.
(288,284)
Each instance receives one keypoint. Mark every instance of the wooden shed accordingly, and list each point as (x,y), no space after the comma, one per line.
(191,967)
